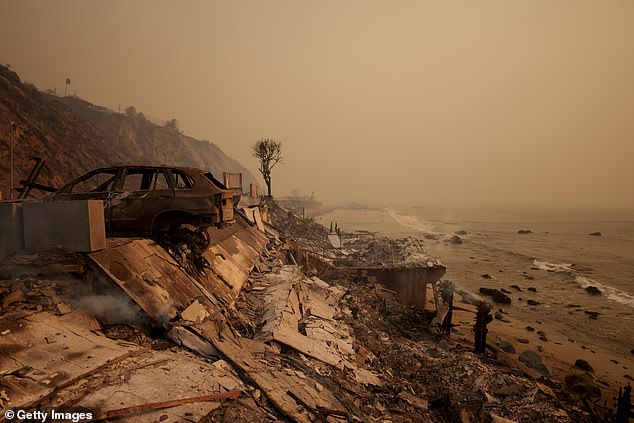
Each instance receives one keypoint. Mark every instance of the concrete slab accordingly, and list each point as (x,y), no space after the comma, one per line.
(409,282)
(77,226)
(42,352)
(164,376)
(11,227)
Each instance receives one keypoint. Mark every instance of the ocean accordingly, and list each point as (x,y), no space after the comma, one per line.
(557,259)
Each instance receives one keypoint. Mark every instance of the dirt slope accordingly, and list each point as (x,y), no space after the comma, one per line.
(74,136)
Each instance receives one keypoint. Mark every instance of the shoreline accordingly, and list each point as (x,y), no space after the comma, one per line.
(564,343)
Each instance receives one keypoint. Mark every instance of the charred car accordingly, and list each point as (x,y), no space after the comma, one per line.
(153,200)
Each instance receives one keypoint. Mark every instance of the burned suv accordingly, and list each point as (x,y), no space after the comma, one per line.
(150,200)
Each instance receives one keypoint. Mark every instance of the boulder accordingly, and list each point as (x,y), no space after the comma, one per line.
(595,234)
(496,295)
(532,302)
(498,316)
(486,276)
(534,361)
(517,367)
(593,290)
(532,289)
(583,365)
(455,240)
(582,384)
(524,231)
(507,347)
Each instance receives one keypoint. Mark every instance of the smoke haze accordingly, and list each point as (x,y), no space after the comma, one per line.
(389,103)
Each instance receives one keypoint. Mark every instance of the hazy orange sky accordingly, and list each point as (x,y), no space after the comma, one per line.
(503,103)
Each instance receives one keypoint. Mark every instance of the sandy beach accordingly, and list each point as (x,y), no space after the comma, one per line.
(558,323)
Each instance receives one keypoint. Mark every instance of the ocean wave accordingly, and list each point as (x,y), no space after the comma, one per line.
(554,267)
(609,292)
(409,221)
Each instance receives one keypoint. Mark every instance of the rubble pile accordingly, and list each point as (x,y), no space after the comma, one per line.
(455,383)
(311,235)
(256,336)
(414,375)
(45,283)
(186,246)
(359,248)
(382,251)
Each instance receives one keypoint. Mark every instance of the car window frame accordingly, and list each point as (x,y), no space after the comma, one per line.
(68,189)
(163,171)
(174,172)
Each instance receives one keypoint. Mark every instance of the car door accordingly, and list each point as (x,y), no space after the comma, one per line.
(142,193)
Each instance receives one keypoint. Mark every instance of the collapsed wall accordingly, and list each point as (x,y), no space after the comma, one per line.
(162,288)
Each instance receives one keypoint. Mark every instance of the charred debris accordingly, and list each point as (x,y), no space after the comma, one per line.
(278,318)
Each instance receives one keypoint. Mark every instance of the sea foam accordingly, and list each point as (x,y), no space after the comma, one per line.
(409,221)
(609,292)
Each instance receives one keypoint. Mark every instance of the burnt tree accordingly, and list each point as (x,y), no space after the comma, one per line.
(269,153)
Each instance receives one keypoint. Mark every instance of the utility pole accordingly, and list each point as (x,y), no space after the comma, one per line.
(12,136)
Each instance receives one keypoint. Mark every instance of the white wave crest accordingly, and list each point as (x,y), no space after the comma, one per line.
(409,221)
(609,292)
(554,267)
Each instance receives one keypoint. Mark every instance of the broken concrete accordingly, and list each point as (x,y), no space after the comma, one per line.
(409,282)
(292,345)
(74,225)
(44,353)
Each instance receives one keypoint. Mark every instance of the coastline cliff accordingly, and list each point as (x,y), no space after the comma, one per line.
(74,136)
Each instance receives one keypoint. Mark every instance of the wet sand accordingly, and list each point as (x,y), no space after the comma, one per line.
(604,342)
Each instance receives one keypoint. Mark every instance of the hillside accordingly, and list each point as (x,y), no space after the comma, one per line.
(74,136)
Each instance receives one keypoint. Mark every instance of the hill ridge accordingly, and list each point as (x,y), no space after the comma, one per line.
(74,136)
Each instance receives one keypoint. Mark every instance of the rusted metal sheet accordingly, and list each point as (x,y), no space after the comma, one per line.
(149,275)
(232,258)
(161,287)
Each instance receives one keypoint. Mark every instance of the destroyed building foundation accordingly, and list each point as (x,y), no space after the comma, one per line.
(263,337)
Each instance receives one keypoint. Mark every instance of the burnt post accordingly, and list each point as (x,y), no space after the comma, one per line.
(13,127)
(483,318)
(624,405)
